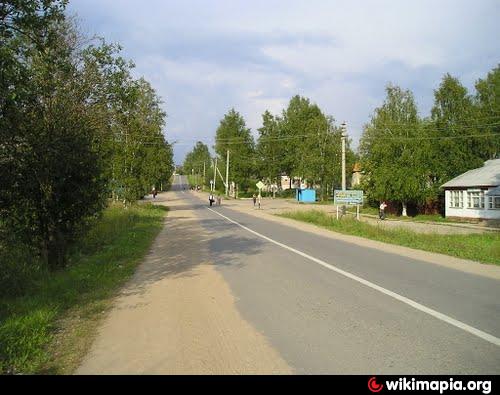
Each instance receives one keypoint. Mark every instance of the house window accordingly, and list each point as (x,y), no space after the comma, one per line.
(494,202)
(456,199)
(475,199)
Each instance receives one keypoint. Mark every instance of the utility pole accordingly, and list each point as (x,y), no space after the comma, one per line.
(203,186)
(344,134)
(227,174)
(215,173)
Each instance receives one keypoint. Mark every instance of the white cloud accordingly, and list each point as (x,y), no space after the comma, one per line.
(206,57)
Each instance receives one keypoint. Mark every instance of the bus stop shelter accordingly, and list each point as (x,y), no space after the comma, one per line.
(305,195)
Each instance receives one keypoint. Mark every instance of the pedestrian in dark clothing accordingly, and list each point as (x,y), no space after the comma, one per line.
(254,199)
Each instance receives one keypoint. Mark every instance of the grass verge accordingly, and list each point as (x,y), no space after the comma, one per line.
(481,247)
(417,218)
(51,326)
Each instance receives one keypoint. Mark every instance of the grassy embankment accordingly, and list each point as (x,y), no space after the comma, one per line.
(483,247)
(418,218)
(50,327)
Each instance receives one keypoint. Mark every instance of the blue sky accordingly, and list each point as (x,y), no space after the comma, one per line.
(204,57)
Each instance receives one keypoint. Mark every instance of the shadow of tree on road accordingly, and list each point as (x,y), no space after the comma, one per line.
(184,244)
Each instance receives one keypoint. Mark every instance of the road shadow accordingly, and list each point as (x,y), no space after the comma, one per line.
(228,244)
(183,245)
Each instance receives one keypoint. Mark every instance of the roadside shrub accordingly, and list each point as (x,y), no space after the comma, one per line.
(20,266)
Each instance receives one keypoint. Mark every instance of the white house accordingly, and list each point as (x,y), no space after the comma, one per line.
(285,182)
(475,194)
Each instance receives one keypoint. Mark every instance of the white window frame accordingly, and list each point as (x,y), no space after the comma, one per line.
(472,196)
(456,199)
(494,202)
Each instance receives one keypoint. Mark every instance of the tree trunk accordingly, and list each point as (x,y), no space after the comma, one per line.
(404,213)
(56,250)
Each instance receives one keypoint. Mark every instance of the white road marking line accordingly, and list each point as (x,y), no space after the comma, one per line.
(436,314)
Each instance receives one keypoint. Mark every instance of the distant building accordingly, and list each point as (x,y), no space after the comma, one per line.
(285,182)
(356,175)
(296,183)
(475,194)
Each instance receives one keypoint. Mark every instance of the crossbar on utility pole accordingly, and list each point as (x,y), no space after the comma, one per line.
(227,174)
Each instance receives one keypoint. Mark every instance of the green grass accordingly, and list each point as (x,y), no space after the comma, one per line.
(483,247)
(418,218)
(50,327)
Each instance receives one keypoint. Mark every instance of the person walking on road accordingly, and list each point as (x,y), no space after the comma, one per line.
(254,197)
(382,208)
(211,199)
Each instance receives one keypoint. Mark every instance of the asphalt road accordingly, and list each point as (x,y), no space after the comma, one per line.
(371,311)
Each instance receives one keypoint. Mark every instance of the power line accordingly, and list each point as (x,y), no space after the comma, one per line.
(242,139)
(239,140)
(485,136)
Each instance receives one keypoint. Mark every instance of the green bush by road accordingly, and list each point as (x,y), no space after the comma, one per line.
(484,247)
(49,327)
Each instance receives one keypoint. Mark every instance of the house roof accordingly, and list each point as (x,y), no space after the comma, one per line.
(493,192)
(488,175)
(356,168)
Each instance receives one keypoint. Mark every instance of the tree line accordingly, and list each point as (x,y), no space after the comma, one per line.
(301,142)
(405,158)
(76,128)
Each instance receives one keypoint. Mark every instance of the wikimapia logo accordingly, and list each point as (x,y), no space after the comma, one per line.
(373,386)
(404,384)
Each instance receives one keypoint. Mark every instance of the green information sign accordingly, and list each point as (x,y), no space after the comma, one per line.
(349,198)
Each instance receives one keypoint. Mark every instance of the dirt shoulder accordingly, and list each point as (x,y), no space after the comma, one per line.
(178,316)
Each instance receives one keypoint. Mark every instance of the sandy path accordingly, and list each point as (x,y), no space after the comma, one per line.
(178,316)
